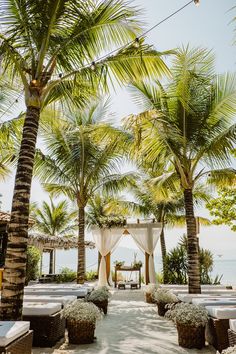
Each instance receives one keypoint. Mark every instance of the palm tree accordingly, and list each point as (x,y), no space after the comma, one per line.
(46,48)
(54,220)
(83,157)
(167,206)
(188,128)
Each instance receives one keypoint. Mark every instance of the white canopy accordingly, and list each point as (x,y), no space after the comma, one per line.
(144,235)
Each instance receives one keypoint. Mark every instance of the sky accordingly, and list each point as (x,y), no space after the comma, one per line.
(207,26)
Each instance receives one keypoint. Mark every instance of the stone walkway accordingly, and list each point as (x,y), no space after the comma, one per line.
(131,327)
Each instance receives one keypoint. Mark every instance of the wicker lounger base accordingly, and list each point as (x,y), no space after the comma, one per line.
(47,329)
(22,345)
(217,333)
(232,337)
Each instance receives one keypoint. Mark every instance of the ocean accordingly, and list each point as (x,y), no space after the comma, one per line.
(225,267)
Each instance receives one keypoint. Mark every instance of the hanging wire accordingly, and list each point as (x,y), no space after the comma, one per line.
(135,42)
(11,105)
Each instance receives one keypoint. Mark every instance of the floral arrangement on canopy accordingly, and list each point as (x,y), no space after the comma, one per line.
(111,221)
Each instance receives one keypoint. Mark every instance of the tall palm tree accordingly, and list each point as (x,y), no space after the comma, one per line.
(189,127)
(83,157)
(54,220)
(46,47)
(167,206)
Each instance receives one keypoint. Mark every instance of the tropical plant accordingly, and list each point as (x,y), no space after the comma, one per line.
(32,263)
(66,275)
(188,128)
(54,220)
(223,208)
(167,206)
(176,264)
(83,158)
(46,47)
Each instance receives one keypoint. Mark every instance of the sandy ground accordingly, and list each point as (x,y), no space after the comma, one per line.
(131,327)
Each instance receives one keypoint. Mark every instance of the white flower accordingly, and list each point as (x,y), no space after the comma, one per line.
(164,295)
(150,288)
(188,314)
(81,311)
(100,294)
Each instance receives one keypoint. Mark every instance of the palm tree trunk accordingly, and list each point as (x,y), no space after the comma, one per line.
(163,253)
(194,284)
(51,261)
(15,264)
(81,248)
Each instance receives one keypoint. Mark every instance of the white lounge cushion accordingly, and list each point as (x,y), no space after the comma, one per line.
(62,292)
(222,312)
(232,325)
(214,301)
(189,297)
(40,308)
(50,298)
(11,330)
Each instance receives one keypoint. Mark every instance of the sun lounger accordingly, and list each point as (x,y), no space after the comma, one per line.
(218,325)
(50,298)
(15,337)
(189,297)
(232,332)
(46,322)
(214,301)
(79,293)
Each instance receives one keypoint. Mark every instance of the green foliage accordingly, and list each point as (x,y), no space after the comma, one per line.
(159,277)
(223,208)
(55,219)
(66,275)
(32,263)
(91,275)
(176,262)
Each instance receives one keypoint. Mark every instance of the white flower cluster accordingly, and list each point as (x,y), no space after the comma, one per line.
(189,314)
(81,311)
(230,350)
(150,288)
(164,295)
(100,294)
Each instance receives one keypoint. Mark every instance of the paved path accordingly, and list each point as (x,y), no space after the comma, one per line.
(131,327)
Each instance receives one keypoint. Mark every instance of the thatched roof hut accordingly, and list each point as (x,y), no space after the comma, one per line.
(47,242)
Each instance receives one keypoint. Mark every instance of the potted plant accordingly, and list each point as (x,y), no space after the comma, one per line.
(163,297)
(149,292)
(99,297)
(81,320)
(118,264)
(191,321)
(137,265)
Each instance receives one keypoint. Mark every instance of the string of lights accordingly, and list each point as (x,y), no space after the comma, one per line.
(135,42)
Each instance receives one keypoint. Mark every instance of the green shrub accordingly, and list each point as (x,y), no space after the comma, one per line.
(32,263)
(91,275)
(176,263)
(66,275)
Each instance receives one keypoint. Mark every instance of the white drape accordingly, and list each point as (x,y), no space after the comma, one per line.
(105,240)
(146,239)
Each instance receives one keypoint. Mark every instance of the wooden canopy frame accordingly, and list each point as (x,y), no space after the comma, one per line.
(139,225)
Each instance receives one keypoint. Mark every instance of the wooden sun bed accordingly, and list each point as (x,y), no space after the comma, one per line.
(15,337)
(48,328)
(218,325)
